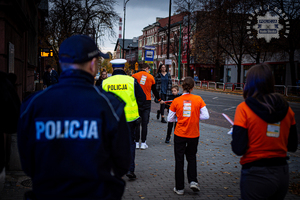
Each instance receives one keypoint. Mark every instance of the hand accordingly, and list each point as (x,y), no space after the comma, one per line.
(161,102)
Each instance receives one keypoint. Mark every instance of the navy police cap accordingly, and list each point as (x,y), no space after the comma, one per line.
(79,49)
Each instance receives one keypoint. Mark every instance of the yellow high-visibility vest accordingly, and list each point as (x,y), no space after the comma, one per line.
(123,86)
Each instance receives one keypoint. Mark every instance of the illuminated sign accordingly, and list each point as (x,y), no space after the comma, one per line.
(46,52)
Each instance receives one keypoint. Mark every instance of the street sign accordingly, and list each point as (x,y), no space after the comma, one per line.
(149,56)
(136,66)
(149,47)
(46,52)
(168,61)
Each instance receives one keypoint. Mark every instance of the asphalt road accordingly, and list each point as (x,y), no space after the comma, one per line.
(218,103)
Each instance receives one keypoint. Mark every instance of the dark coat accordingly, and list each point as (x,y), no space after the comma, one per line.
(158,84)
(50,79)
(9,111)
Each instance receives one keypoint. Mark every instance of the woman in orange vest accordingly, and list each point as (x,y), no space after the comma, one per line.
(188,109)
(264,130)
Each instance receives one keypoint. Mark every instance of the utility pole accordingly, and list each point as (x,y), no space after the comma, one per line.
(188,46)
(169,30)
(125,2)
(179,56)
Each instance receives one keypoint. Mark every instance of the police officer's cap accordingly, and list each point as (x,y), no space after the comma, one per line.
(118,62)
(79,49)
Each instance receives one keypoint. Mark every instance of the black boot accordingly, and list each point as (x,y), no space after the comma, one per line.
(158,114)
(167,140)
(169,131)
(131,175)
(163,120)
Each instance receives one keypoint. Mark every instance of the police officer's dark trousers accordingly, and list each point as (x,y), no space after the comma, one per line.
(132,126)
(144,112)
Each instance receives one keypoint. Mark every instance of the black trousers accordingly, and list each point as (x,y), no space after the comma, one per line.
(269,182)
(170,127)
(132,126)
(162,106)
(188,147)
(144,112)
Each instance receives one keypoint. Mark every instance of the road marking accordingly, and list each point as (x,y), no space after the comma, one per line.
(230,108)
(215,98)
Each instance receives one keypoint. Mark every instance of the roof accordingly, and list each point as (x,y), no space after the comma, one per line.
(174,20)
(127,42)
(162,22)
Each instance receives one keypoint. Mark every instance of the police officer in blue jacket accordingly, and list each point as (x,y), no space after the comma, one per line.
(74,141)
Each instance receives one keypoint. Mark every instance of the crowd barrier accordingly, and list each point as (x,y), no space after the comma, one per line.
(220,85)
(280,89)
(292,90)
(211,85)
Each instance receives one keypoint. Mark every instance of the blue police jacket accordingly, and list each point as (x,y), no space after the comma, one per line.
(74,141)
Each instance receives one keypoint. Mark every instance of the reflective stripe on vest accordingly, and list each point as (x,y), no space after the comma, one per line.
(123,86)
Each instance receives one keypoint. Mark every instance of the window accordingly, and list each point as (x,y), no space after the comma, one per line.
(228,75)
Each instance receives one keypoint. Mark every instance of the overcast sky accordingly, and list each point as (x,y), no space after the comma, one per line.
(139,14)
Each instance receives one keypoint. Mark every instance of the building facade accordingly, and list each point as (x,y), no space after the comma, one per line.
(156,36)
(130,50)
(19,49)
(279,63)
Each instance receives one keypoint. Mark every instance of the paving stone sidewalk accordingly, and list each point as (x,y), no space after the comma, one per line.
(218,168)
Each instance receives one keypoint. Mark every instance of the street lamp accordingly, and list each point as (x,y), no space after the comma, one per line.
(125,2)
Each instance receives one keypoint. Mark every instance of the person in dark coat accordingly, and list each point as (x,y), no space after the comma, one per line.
(163,86)
(101,78)
(50,76)
(9,114)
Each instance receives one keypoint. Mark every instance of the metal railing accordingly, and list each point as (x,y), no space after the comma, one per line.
(238,86)
(280,89)
(210,83)
(198,83)
(285,90)
(204,83)
(231,87)
(218,84)
(292,90)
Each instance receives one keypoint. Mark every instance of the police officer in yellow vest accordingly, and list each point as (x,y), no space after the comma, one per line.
(129,90)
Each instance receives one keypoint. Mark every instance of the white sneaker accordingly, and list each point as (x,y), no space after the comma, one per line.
(194,186)
(137,145)
(144,145)
(179,192)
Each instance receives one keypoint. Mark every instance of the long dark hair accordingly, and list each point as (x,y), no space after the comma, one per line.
(188,84)
(259,82)
(159,68)
(260,85)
